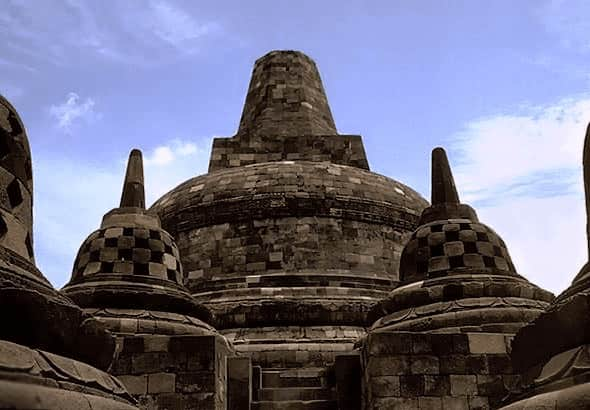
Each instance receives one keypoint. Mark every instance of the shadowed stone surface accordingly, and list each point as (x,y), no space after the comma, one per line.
(332,287)
(34,315)
(441,340)
(552,352)
(128,275)
(456,272)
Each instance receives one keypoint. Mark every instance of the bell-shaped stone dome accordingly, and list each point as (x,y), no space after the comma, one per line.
(131,262)
(450,239)
(42,331)
(456,272)
(289,227)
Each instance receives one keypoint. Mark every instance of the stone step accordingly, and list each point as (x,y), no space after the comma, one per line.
(295,405)
(307,377)
(296,393)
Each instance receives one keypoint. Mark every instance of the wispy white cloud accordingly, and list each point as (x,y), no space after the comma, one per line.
(170,164)
(166,154)
(175,26)
(72,195)
(73,110)
(130,32)
(523,174)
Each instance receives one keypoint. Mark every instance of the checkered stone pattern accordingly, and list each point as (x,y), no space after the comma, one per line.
(129,251)
(440,247)
(16,184)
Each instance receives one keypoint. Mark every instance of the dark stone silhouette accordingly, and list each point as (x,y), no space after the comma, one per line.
(288,277)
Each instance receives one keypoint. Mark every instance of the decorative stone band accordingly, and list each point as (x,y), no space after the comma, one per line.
(283,306)
(128,292)
(209,289)
(38,379)
(484,314)
(283,205)
(286,189)
(294,346)
(337,149)
(152,322)
(462,300)
(563,380)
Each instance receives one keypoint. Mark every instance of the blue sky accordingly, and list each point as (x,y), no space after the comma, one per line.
(502,85)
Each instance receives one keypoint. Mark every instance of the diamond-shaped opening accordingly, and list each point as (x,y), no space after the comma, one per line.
(15,196)
(3,227)
(5,143)
(29,245)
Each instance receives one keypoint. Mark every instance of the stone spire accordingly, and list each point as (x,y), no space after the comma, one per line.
(133,191)
(450,239)
(445,199)
(443,183)
(286,98)
(131,262)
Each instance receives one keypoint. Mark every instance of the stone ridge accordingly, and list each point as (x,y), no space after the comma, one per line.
(287,188)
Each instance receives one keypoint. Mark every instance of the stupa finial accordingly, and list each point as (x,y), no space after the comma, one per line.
(443,184)
(133,188)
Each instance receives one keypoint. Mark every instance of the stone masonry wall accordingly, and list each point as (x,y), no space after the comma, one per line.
(461,371)
(173,372)
(337,149)
(288,245)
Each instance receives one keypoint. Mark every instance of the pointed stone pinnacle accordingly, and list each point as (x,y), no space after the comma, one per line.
(133,191)
(443,184)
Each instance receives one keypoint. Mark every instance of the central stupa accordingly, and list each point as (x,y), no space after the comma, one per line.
(290,238)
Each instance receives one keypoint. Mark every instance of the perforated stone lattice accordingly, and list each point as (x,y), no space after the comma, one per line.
(132,251)
(440,246)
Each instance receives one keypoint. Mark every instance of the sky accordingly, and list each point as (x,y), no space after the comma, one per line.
(502,85)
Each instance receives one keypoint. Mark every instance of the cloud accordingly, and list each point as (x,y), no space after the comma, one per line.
(175,26)
(523,173)
(72,195)
(128,32)
(165,154)
(73,110)
(168,165)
